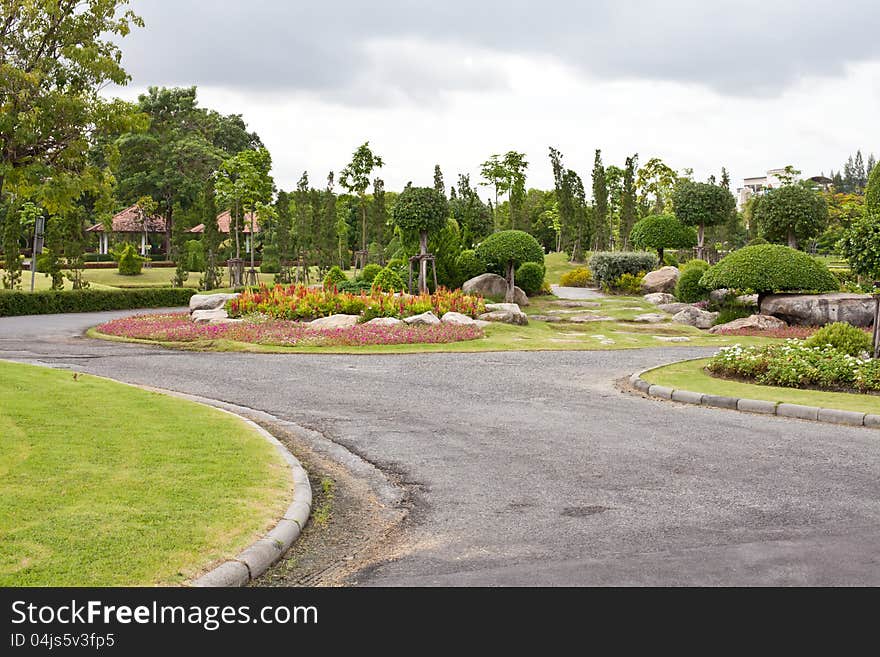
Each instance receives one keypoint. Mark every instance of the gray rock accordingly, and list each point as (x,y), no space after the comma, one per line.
(493,285)
(506,307)
(672,338)
(482,323)
(428,319)
(748,299)
(334,322)
(577,304)
(720,295)
(691,316)
(650,318)
(754,322)
(658,298)
(673,308)
(586,319)
(546,318)
(660,280)
(209,301)
(820,309)
(226,320)
(456,318)
(385,321)
(204,316)
(506,316)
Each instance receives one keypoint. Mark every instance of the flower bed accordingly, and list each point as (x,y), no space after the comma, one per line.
(178,327)
(300,302)
(796,365)
(798,332)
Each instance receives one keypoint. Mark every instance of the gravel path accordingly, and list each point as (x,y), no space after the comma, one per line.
(534,469)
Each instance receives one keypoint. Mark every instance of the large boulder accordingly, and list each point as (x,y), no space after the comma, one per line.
(659,298)
(820,309)
(753,322)
(333,322)
(660,280)
(385,321)
(720,295)
(692,316)
(673,308)
(650,318)
(426,319)
(215,315)
(493,285)
(456,318)
(209,301)
(508,313)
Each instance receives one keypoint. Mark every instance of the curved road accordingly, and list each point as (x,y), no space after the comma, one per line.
(533,469)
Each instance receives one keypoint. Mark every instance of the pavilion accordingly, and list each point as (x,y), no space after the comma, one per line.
(224,223)
(128,224)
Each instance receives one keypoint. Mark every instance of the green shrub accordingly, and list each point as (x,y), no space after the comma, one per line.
(662,231)
(388,280)
(81,301)
(580,277)
(530,277)
(128,260)
(757,242)
(355,287)
(688,289)
(195,255)
(271,260)
(608,267)
(369,273)
(508,247)
(335,277)
(731,311)
(843,337)
(626,284)
(669,260)
(469,265)
(769,268)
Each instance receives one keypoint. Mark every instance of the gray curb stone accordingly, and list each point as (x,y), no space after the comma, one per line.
(756,406)
(230,573)
(720,402)
(841,417)
(798,411)
(660,391)
(687,396)
(642,386)
(872,420)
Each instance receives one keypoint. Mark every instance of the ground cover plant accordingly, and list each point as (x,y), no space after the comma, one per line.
(149,490)
(298,302)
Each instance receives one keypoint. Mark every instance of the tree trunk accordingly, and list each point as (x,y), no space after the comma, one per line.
(423,264)
(701,233)
(253,239)
(792,240)
(364,226)
(508,298)
(234,221)
(660,255)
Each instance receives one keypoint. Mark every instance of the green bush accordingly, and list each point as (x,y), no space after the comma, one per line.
(420,209)
(335,277)
(669,260)
(530,277)
(580,277)
(843,337)
(81,301)
(469,265)
(388,280)
(195,255)
(507,247)
(608,267)
(731,311)
(662,231)
(769,268)
(688,289)
(626,284)
(355,287)
(128,260)
(757,242)
(369,273)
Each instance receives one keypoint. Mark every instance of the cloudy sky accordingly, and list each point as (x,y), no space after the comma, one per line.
(750,85)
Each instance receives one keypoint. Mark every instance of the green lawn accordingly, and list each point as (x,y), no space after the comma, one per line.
(153,277)
(691,375)
(44,282)
(557,264)
(104,484)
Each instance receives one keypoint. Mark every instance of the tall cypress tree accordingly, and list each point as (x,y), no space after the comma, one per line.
(860,178)
(284,236)
(211,238)
(601,227)
(725,179)
(380,216)
(438,181)
(628,201)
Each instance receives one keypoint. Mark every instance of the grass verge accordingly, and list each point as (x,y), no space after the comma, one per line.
(691,375)
(125,486)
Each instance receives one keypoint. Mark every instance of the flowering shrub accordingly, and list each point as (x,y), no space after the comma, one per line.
(794,364)
(179,328)
(300,302)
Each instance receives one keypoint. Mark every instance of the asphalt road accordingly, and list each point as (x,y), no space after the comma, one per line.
(533,469)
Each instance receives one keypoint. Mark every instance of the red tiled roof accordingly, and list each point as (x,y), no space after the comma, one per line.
(129,221)
(224,219)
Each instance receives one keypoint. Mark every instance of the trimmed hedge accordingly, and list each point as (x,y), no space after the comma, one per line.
(688,288)
(82,301)
(768,268)
(607,267)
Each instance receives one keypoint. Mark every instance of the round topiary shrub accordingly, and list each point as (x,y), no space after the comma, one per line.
(334,277)
(388,280)
(130,263)
(369,273)
(662,231)
(530,277)
(843,337)
(688,289)
(769,268)
(757,241)
(505,251)
(580,277)
(469,265)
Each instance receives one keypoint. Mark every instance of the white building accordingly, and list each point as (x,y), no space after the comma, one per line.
(760,184)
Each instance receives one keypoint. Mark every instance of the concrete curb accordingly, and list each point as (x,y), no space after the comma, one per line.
(811,413)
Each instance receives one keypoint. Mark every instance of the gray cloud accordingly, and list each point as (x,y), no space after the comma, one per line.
(357,52)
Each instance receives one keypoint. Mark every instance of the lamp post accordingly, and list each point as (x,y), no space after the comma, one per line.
(39,231)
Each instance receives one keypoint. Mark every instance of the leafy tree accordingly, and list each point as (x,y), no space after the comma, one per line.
(662,231)
(656,182)
(872,193)
(421,210)
(283,237)
(601,227)
(791,213)
(12,244)
(725,179)
(474,217)
(211,238)
(438,181)
(355,178)
(515,165)
(628,201)
(379,218)
(860,246)
(701,205)
(574,225)
(495,174)
(506,251)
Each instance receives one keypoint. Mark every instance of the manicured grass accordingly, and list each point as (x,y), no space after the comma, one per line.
(153,277)
(691,375)
(104,484)
(44,282)
(556,265)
